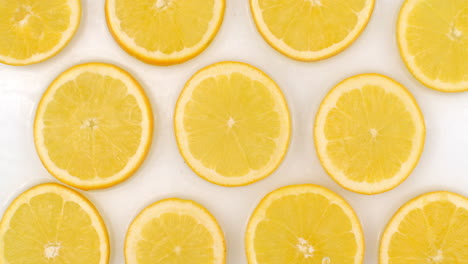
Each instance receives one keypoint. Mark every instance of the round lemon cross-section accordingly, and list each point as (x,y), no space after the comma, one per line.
(232,124)
(51,223)
(431,228)
(433,40)
(369,133)
(175,231)
(93,126)
(310,30)
(304,224)
(34,31)
(164,32)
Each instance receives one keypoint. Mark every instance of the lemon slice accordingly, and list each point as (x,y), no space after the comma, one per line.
(33,31)
(310,30)
(432,228)
(50,223)
(369,133)
(433,40)
(164,32)
(175,231)
(93,126)
(232,124)
(304,224)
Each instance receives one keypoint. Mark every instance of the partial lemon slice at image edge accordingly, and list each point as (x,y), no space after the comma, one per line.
(93,126)
(164,32)
(33,31)
(304,224)
(232,124)
(310,30)
(432,228)
(175,231)
(433,40)
(369,133)
(50,223)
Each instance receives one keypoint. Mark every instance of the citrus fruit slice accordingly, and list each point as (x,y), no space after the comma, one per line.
(50,223)
(33,31)
(433,40)
(232,124)
(164,32)
(93,126)
(304,224)
(432,229)
(310,30)
(369,133)
(175,231)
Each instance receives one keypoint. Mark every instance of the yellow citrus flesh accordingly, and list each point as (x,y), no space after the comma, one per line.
(175,231)
(432,229)
(232,124)
(369,133)
(164,32)
(304,224)
(433,40)
(93,126)
(50,223)
(309,30)
(32,31)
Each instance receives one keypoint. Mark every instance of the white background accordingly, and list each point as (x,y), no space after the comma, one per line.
(443,166)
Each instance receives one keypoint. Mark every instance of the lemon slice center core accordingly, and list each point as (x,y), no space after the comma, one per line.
(51,250)
(374,133)
(438,258)
(316,2)
(91,123)
(455,34)
(231,122)
(22,15)
(162,4)
(178,250)
(305,248)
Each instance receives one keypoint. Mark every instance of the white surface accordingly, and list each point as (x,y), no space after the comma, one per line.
(443,165)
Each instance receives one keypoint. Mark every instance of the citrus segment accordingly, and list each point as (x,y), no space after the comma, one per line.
(33,31)
(433,40)
(369,133)
(175,231)
(93,126)
(309,30)
(432,228)
(232,124)
(50,223)
(304,224)
(164,32)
